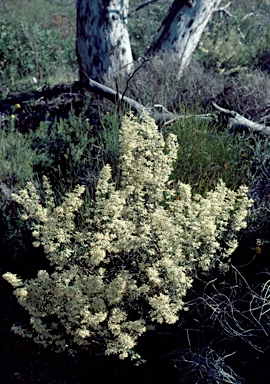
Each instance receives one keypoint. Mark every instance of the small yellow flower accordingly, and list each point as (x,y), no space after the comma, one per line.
(17,105)
(257,249)
(13,116)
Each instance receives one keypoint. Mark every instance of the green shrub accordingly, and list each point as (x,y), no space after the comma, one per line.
(64,151)
(236,43)
(108,141)
(131,264)
(16,157)
(31,51)
(207,154)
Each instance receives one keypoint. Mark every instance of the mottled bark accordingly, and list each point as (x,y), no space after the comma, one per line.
(103,46)
(182,29)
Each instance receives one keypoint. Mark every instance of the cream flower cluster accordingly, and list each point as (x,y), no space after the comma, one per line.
(132,263)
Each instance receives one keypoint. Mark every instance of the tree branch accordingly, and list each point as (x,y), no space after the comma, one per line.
(158,112)
(236,120)
(132,75)
(163,116)
(225,10)
(143,5)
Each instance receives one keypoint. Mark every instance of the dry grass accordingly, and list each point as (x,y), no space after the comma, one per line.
(155,83)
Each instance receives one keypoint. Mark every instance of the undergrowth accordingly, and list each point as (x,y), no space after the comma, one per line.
(230,67)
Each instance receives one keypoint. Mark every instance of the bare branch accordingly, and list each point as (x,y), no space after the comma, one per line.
(158,112)
(163,116)
(132,75)
(248,15)
(225,10)
(236,120)
(143,5)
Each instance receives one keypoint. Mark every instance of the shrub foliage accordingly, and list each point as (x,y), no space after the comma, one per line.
(131,264)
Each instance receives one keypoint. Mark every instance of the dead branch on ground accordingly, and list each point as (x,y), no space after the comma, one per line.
(163,116)
(237,121)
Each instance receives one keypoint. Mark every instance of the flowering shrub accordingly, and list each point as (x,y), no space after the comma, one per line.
(133,261)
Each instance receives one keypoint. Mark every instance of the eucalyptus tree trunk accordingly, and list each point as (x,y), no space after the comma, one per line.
(103,46)
(182,29)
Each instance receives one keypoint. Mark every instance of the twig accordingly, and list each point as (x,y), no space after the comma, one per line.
(132,75)
(225,10)
(248,15)
(143,5)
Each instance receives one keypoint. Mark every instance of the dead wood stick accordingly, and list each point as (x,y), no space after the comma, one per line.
(158,112)
(236,120)
(163,116)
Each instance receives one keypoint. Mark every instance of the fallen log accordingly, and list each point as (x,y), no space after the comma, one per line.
(160,114)
(237,121)
(163,116)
